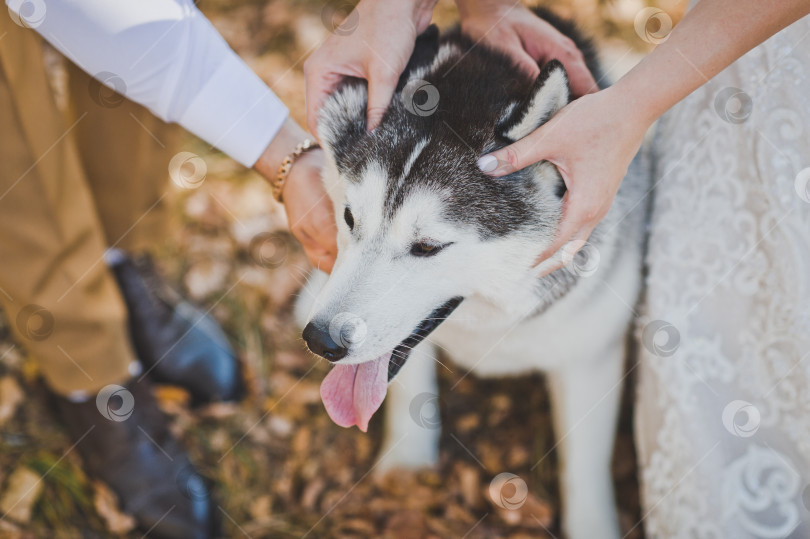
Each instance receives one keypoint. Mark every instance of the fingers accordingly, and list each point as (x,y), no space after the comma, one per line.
(535,37)
(580,217)
(515,156)
(582,81)
(381,87)
(326,238)
(526,62)
(382,83)
(320,259)
(319,239)
(314,99)
(326,264)
(321,252)
(579,76)
(310,211)
(315,92)
(318,86)
(512,44)
(320,246)
(573,219)
(318,255)
(565,255)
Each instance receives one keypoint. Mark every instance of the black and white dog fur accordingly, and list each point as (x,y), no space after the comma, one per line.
(423,233)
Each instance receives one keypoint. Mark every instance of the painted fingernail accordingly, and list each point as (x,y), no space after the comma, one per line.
(488,163)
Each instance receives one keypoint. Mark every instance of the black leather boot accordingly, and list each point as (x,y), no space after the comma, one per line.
(124,441)
(176,342)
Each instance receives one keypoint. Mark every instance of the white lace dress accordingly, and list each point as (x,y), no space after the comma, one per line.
(723,405)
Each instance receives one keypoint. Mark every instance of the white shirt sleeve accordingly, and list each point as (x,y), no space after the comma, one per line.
(165,55)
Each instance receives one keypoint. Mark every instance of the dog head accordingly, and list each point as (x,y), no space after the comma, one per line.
(420,227)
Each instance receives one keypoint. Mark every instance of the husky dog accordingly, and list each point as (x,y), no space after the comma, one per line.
(424,234)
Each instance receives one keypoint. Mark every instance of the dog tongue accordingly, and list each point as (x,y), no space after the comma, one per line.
(352,393)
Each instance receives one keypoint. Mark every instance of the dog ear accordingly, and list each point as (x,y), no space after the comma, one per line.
(342,118)
(549,94)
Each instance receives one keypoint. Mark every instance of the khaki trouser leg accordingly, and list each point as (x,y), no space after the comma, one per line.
(125,153)
(61,300)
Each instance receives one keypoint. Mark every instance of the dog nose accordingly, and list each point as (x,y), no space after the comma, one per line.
(321,343)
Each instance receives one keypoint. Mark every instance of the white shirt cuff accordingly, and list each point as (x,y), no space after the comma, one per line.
(236,112)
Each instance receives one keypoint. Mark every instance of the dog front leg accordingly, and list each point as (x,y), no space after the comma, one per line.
(585,400)
(412,423)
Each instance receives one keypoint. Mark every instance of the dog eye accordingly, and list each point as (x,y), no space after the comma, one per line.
(425,249)
(349,218)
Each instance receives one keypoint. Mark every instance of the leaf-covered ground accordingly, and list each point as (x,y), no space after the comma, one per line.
(280,466)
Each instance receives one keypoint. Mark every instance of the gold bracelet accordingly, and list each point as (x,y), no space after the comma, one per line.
(277,186)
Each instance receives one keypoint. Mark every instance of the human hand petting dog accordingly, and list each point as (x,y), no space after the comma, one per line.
(308,207)
(377,50)
(593,139)
(511,27)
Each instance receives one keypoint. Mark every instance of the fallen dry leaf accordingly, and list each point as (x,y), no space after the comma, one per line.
(11,395)
(170,397)
(206,278)
(262,508)
(311,493)
(533,513)
(106,504)
(9,530)
(470,479)
(406,525)
(22,491)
